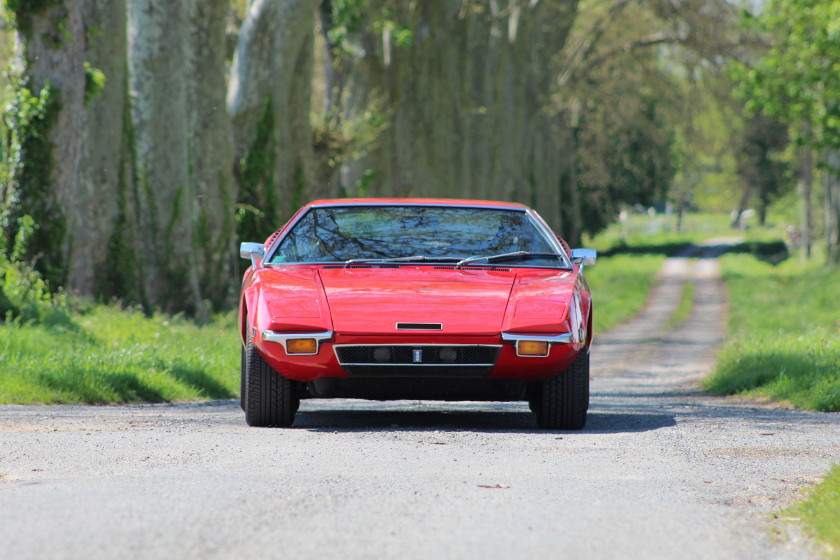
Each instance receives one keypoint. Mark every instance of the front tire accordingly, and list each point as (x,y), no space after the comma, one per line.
(561,402)
(243,399)
(269,397)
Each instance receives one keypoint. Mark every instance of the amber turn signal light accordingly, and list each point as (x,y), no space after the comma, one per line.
(532,348)
(301,346)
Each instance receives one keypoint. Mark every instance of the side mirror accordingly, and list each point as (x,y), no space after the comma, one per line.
(252,251)
(584,256)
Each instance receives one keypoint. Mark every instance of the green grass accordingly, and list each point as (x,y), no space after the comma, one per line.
(684,308)
(620,285)
(108,355)
(784,333)
(657,232)
(821,512)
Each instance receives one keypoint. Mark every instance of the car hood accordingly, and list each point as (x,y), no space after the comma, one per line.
(376,300)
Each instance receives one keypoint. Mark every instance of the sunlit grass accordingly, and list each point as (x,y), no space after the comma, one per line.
(661,231)
(821,512)
(110,355)
(684,308)
(784,333)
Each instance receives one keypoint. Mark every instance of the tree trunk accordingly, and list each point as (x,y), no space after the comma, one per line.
(96,211)
(832,208)
(269,104)
(746,194)
(807,234)
(467,103)
(211,151)
(158,67)
(50,58)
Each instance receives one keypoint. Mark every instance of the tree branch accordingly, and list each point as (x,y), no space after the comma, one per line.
(587,45)
(644,42)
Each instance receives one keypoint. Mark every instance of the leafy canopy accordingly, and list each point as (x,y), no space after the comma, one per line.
(797,78)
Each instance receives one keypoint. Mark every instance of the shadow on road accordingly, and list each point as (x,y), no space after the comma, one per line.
(487,421)
(769,251)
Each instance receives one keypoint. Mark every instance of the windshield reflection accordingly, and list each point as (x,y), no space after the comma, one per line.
(339,234)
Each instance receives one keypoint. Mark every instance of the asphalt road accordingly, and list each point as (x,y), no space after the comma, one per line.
(660,471)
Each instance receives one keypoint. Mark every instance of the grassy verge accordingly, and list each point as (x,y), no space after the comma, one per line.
(620,285)
(640,231)
(822,510)
(108,355)
(784,334)
(684,309)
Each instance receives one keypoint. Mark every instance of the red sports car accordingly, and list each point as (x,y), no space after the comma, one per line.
(415,299)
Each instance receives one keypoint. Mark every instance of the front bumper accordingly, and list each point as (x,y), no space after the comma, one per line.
(420,357)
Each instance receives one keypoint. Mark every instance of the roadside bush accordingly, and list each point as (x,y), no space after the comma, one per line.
(24,295)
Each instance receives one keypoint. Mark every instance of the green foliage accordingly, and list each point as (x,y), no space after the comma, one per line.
(797,78)
(29,192)
(94,82)
(24,296)
(822,510)
(336,139)
(624,156)
(20,12)
(761,165)
(704,154)
(116,356)
(622,112)
(7,54)
(784,341)
(387,23)
(348,17)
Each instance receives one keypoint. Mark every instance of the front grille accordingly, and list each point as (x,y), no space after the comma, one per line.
(417,361)
(429,355)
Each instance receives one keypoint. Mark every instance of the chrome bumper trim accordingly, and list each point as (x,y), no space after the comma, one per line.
(282,338)
(563,338)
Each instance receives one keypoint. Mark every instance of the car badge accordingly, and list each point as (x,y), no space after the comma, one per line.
(418,356)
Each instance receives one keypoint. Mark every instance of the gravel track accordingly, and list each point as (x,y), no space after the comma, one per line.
(660,471)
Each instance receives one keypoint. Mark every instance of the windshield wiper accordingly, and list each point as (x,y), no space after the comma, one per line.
(411,259)
(507,256)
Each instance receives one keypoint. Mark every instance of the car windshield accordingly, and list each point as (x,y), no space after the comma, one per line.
(414,234)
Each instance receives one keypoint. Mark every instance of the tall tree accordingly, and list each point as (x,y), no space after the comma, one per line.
(628,76)
(46,117)
(268,102)
(211,151)
(104,161)
(158,70)
(795,79)
(761,169)
(464,89)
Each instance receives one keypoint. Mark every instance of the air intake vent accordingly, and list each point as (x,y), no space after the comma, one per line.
(346,266)
(374,265)
(419,326)
(398,360)
(492,269)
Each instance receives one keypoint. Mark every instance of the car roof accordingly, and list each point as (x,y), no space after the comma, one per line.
(415,202)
